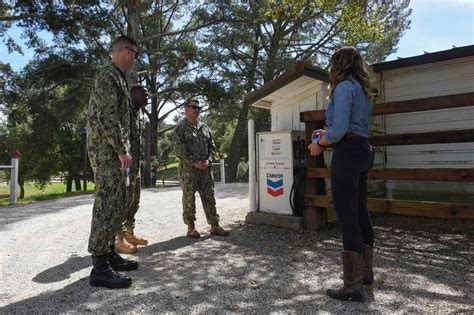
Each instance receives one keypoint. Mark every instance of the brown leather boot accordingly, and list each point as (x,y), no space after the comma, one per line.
(367,266)
(132,239)
(122,246)
(218,230)
(353,289)
(192,232)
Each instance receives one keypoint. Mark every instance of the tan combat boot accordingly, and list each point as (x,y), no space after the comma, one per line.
(218,230)
(122,246)
(132,239)
(192,231)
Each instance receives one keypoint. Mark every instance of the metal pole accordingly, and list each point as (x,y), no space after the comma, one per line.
(252,175)
(222,171)
(14,180)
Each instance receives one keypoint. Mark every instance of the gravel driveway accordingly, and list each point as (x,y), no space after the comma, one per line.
(421,265)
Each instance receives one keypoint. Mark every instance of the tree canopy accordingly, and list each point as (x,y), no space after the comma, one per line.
(215,50)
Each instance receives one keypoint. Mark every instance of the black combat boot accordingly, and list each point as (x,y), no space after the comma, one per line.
(121,264)
(367,265)
(353,289)
(102,275)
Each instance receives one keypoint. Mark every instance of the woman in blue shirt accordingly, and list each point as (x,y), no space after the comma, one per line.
(348,120)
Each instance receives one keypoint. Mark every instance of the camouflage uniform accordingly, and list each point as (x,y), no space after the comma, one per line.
(108,133)
(192,144)
(134,189)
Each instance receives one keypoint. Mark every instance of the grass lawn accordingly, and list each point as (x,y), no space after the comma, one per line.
(33,193)
(58,190)
(171,173)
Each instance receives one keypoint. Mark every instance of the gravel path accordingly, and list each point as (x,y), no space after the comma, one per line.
(421,265)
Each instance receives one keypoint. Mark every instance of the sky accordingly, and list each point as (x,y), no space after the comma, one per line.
(435,25)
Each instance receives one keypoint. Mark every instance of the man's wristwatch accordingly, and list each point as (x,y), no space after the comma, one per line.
(322,146)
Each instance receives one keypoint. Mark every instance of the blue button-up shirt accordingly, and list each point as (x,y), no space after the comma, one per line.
(349,111)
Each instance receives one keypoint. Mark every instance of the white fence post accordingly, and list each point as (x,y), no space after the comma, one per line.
(252,175)
(14,179)
(222,171)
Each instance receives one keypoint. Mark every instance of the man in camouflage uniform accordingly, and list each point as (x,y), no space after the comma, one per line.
(127,241)
(194,148)
(108,144)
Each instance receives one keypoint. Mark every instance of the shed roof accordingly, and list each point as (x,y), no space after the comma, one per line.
(298,76)
(453,53)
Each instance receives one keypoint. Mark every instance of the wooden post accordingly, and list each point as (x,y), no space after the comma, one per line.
(315,218)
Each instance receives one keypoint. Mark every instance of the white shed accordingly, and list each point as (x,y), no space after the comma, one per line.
(447,75)
(301,88)
(433,74)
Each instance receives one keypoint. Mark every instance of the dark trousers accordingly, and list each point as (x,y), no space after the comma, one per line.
(351,160)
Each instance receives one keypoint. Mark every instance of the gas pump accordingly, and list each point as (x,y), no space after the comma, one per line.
(280,177)
(298,188)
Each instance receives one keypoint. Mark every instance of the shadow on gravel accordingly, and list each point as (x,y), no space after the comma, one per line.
(75,263)
(63,271)
(15,213)
(262,269)
(423,249)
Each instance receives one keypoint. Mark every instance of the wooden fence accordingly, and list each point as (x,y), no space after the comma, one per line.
(316,200)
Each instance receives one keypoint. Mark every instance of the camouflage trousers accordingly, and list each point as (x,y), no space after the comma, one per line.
(133,198)
(108,212)
(192,180)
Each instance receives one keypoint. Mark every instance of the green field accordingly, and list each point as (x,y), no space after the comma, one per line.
(33,193)
(171,173)
(58,190)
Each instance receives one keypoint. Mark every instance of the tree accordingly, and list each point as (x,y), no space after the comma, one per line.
(45,108)
(217,50)
(169,52)
(284,32)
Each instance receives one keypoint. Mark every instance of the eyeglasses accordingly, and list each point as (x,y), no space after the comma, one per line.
(136,52)
(195,107)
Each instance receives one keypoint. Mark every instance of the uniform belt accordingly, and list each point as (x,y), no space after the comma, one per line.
(351,135)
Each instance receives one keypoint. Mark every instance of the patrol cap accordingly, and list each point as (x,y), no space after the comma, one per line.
(138,86)
(192,100)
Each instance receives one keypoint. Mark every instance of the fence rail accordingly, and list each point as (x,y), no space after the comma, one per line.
(424,174)
(316,200)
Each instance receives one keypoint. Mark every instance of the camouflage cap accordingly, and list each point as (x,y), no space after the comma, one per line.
(138,86)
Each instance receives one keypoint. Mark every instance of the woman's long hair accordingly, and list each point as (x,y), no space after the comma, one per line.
(344,62)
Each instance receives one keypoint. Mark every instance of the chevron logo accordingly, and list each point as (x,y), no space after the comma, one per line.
(275,188)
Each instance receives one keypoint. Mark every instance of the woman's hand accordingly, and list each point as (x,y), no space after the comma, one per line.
(315,149)
(321,132)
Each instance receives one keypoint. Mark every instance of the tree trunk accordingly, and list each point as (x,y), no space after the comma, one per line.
(77,182)
(236,146)
(133,18)
(68,184)
(147,165)
(154,137)
(21,183)
(238,137)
